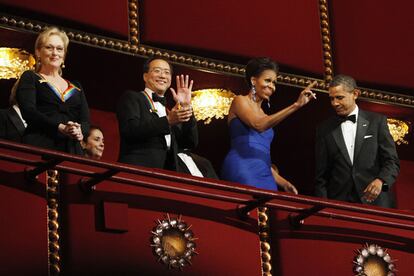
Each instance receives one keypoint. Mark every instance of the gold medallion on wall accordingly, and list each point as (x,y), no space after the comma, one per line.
(373,260)
(173,242)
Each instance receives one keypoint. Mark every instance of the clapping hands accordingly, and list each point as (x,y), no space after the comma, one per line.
(179,114)
(71,129)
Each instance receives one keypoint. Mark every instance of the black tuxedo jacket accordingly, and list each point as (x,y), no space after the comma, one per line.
(375,156)
(143,134)
(11,125)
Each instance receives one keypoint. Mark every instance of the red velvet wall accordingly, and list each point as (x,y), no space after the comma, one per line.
(111,17)
(371,41)
(404,186)
(225,244)
(279,29)
(23,231)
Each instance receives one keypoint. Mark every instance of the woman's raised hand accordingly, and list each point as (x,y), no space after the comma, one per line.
(306,95)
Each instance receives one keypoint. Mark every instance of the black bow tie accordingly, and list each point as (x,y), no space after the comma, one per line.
(351,118)
(159,99)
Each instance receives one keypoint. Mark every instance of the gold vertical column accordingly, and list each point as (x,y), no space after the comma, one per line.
(133,22)
(52,180)
(265,241)
(326,40)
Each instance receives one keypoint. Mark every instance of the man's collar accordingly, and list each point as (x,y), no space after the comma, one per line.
(352,117)
(149,91)
(155,97)
(355,111)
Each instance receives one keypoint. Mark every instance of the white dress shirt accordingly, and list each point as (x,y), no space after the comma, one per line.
(191,165)
(349,132)
(161,112)
(17,109)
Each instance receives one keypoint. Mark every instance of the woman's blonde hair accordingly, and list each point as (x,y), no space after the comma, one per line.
(41,38)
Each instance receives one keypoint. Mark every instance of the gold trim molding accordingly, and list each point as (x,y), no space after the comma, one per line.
(52,180)
(264,235)
(132,47)
(326,40)
(133,22)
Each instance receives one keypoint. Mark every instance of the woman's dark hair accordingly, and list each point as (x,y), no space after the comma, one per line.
(91,128)
(256,66)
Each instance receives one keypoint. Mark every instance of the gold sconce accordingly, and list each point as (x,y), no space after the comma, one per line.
(13,62)
(398,129)
(211,103)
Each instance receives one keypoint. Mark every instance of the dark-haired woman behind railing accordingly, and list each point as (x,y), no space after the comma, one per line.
(93,144)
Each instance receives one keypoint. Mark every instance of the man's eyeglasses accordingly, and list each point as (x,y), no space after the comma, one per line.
(158,70)
(50,48)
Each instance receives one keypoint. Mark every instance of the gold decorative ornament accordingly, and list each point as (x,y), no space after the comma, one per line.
(373,260)
(211,103)
(173,242)
(326,40)
(52,189)
(398,129)
(13,62)
(265,250)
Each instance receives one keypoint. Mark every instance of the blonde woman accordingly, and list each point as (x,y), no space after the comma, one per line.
(55,109)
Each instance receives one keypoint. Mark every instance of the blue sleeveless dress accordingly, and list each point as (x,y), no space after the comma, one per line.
(248,161)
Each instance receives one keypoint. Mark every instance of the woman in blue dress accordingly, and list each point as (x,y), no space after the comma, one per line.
(251,130)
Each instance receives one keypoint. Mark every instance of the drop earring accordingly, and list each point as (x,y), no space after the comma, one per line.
(268,103)
(253,92)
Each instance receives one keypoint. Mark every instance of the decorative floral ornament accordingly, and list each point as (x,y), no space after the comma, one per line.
(373,260)
(173,242)
(13,62)
(399,129)
(211,103)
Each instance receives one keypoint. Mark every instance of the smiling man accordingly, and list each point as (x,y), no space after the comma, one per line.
(356,159)
(150,134)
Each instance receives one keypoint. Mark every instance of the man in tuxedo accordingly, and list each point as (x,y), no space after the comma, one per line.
(12,125)
(356,159)
(150,133)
